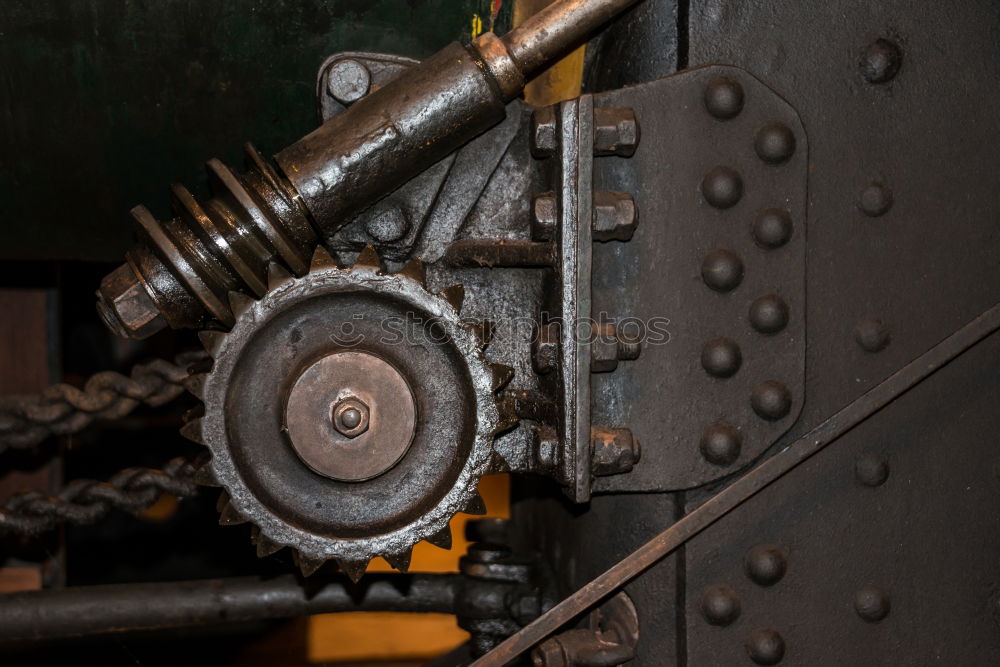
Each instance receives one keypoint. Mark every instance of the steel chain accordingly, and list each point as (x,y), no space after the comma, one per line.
(84,501)
(27,420)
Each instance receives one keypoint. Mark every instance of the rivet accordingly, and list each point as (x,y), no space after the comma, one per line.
(721,357)
(722,187)
(722,270)
(724,97)
(774,143)
(769,314)
(772,228)
(765,646)
(771,400)
(720,606)
(766,564)
(871,469)
(872,604)
(875,199)
(872,334)
(720,444)
(881,61)
(388,225)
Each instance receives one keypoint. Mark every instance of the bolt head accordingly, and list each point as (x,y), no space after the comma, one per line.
(543,217)
(545,348)
(348,81)
(616,132)
(615,216)
(604,348)
(350,417)
(126,307)
(544,132)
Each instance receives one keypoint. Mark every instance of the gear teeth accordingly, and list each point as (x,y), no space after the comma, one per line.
(266,547)
(502,375)
(196,385)
(454,295)
(355,569)
(211,341)
(307,565)
(277,275)
(322,259)
(415,270)
(369,258)
(442,538)
(239,303)
(192,431)
(204,476)
(229,516)
(400,561)
(475,505)
(484,332)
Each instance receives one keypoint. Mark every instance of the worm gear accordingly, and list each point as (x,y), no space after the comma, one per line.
(350,413)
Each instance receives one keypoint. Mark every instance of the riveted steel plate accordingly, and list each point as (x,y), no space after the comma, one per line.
(715,274)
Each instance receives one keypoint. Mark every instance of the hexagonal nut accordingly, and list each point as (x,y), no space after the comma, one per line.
(543,217)
(545,348)
(549,654)
(616,132)
(546,454)
(612,450)
(126,307)
(544,132)
(351,417)
(603,348)
(615,216)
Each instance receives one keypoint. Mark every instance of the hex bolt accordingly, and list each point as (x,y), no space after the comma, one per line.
(616,132)
(547,454)
(348,81)
(543,216)
(612,450)
(126,307)
(545,348)
(609,346)
(615,216)
(351,416)
(544,132)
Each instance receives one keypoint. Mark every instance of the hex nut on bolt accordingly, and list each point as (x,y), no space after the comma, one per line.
(350,417)
(616,132)
(125,306)
(612,450)
(545,348)
(544,132)
(609,346)
(615,216)
(543,217)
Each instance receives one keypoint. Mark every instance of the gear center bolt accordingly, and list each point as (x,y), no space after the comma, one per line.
(350,416)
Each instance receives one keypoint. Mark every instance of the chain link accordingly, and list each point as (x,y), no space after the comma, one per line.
(27,420)
(84,501)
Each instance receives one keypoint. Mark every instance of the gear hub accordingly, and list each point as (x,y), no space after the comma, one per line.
(349,413)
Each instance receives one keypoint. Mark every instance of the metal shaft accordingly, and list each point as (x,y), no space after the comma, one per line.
(554,31)
(93,610)
(182,271)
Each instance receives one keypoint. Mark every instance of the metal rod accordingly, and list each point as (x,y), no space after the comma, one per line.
(94,610)
(744,488)
(554,31)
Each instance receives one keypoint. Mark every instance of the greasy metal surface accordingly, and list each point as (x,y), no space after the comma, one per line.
(96,610)
(745,487)
(129,97)
(300,320)
(350,416)
(733,307)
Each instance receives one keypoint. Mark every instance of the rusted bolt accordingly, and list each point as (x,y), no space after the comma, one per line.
(612,450)
(125,306)
(544,132)
(348,81)
(543,217)
(546,451)
(615,216)
(545,348)
(616,132)
(609,346)
(350,417)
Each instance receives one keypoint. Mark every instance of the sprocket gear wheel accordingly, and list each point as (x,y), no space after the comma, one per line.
(349,413)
